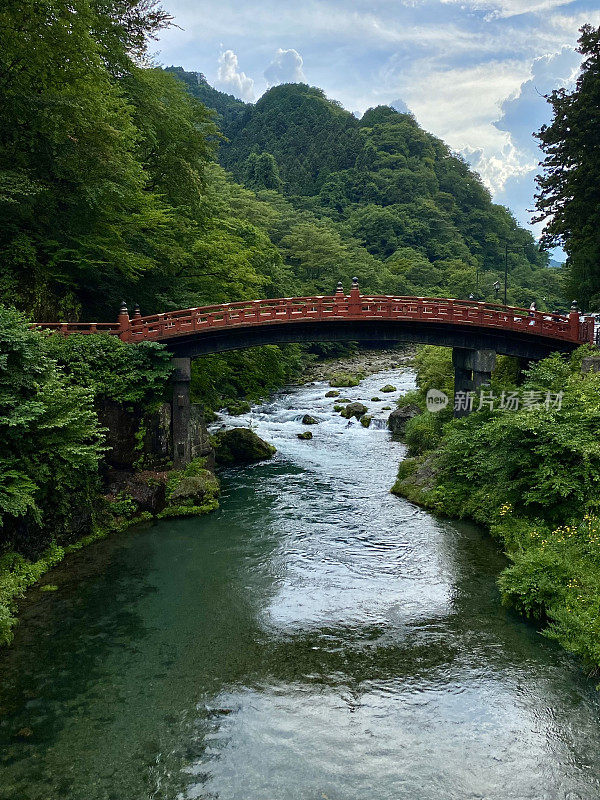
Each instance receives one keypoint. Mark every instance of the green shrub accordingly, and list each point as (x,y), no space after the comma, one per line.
(225,379)
(532,476)
(112,369)
(422,433)
(51,439)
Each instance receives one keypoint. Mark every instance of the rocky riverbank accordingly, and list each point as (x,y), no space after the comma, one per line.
(362,363)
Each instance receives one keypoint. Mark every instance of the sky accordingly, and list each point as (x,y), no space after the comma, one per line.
(473,72)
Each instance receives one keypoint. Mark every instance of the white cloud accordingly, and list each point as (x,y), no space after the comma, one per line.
(569,24)
(231,79)
(511,8)
(461,105)
(286,67)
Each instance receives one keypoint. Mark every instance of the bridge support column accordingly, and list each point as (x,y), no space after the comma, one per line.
(472,371)
(180,419)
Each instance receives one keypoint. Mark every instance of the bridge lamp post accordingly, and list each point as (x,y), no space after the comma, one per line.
(497,288)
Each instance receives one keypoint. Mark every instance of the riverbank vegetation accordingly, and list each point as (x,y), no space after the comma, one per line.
(531,475)
(51,491)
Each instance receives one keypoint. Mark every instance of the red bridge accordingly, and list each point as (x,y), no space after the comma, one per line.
(475,331)
(195,331)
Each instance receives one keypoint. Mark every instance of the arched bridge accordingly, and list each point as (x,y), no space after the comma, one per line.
(354,317)
(476,332)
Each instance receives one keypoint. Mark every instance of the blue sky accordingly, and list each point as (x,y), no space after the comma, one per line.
(472,71)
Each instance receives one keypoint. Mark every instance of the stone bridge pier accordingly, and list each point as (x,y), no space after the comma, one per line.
(472,371)
(181,412)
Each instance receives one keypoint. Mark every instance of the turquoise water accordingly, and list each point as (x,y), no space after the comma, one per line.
(315,638)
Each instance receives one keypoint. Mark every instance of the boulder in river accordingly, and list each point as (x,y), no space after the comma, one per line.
(397,419)
(305,435)
(388,388)
(332,393)
(308,420)
(354,410)
(376,399)
(366,420)
(240,446)
(344,379)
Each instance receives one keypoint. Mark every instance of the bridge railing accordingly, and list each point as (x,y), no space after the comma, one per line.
(159,327)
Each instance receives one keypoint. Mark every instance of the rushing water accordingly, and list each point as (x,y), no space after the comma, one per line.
(317,638)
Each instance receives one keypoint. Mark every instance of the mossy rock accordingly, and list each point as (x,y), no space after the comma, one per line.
(306,435)
(386,408)
(354,410)
(344,400)
(338,408)
(344,379)
(398,418)
(240,446)
(416,481)
(238,407)
(190,491)
(332,393)
(308,420)
(366,420)
(388,388)
(376,399)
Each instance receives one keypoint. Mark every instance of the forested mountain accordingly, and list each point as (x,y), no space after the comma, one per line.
(117,182)
(382,188)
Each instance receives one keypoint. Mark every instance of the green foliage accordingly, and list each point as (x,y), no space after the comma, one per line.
(78,217)
(261,172)
(545,462)
(308,135)
(434,369)
(569,194)
(344,379)
(533,477)
(192,491)
(219,380)
(16,575)
(411,214)
(50,434)
(112,369)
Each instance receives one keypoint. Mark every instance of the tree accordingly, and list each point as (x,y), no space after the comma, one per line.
(569,188)
(51,438)
(74,210)
(261,172)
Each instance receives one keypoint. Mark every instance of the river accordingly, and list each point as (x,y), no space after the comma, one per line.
(314,639)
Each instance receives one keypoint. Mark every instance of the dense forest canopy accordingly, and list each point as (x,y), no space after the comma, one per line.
(122,180)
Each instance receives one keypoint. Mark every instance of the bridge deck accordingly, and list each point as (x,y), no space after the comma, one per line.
(353,307)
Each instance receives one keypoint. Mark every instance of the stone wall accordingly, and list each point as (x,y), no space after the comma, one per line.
(155,450)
